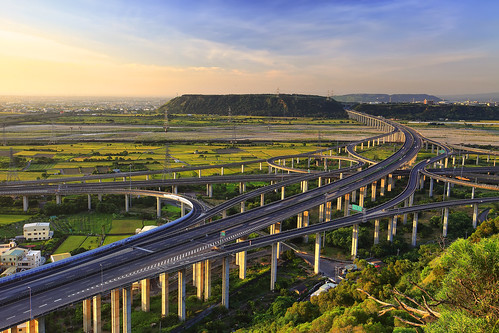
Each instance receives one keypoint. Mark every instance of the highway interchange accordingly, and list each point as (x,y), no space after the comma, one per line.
(192,239)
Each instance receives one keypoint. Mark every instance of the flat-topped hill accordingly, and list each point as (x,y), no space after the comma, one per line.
(281,105)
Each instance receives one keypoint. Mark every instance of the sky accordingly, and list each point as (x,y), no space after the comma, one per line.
(175,47)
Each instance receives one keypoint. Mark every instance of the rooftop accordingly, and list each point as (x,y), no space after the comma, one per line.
(37,224)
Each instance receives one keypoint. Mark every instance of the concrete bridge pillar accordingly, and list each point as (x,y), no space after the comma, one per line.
(87,315)
(273,266)
(242,168)
(243,206)
(99,197)
(262,199)
(145,291)
(448,189)
(477,159)
(115,311)
(209,190)
(127,203)
(165,290)
(207,280)
(338,204)
(299,220)
(431,188)
(376,231)
(462,163)
(355,240)
(242,262)
(97,314)
(174,189)
(354,195)
(260,166)
(373,191)
(475,215)
(362,195)
(317,258)
(199,173)
(199,272)
(389,236)
(89,202)
(329,210)
(35,325)
(58,199)
(306,220)
(361,145)
(127,310)
(182,209)
(382,186)
(25,203)
(242,187)
(347,204)
(394,225)
(414,228)
(181,294)
(446,221)
(275,229)
(283,193)
(390,183)
(225,282)
(158,207)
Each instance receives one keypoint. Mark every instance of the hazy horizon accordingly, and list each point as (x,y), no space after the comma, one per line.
(155,48)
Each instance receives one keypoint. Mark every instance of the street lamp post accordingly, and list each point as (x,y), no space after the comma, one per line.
(30,312)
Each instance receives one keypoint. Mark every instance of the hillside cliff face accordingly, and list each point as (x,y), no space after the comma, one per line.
(256,105)
(385,98)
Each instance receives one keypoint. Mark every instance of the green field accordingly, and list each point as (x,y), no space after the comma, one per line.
(128,226)
(71,243)
(8,219)
(91,242)
(114,238)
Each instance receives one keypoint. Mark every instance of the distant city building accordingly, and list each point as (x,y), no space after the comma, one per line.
(37,231)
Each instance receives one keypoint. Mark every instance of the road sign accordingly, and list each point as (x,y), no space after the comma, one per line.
(357,208)
(222,233)
(441,151)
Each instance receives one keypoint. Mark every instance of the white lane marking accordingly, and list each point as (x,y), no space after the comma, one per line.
(57,300)
(11,317)
(27,311)
(41,306)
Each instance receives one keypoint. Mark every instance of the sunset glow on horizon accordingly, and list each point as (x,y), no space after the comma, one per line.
(165,48)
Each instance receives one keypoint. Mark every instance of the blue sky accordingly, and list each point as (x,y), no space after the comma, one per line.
(174,47)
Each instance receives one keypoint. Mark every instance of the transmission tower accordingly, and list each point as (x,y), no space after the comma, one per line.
(12,173)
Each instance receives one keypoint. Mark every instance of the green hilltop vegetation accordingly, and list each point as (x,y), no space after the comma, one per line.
(385,98)
(418,111)
(281,105)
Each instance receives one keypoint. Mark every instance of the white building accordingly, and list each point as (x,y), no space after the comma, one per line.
(32,259)
(6,247)
(37,231)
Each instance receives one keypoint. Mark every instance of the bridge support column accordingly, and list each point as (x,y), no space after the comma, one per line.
(224,213)
(99,197)
(89,202)
(373,191)
(362,195)
(446,221)
(97,314)
(115,311)
(165,290)
(355,239)
(182,209)
(209,190)
(199,270)
(354,195)
(262,199)
(127,203)
(382,187)
(376,231)
(431,188)
(242,187)
(390,183)
(58,199)
(329,211)
(127,310)
(299,220)
(389,236)
(25,203)
(283,193)
(306,220)
(243,206)
(181,294)
(207,280)
(35,325)
(273,267)
(199,173)
(275,229)
(242,263)
(448,189)
(225,282)
(242,168)
(338,205)
(347,204)
(158,207)
(317,258)
(414,228)
(145,292)
(473,189)
(394,225)
(87,315)
(475,215)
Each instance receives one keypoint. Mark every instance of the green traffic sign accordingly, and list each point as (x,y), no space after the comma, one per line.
(441,151)
(357,208)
